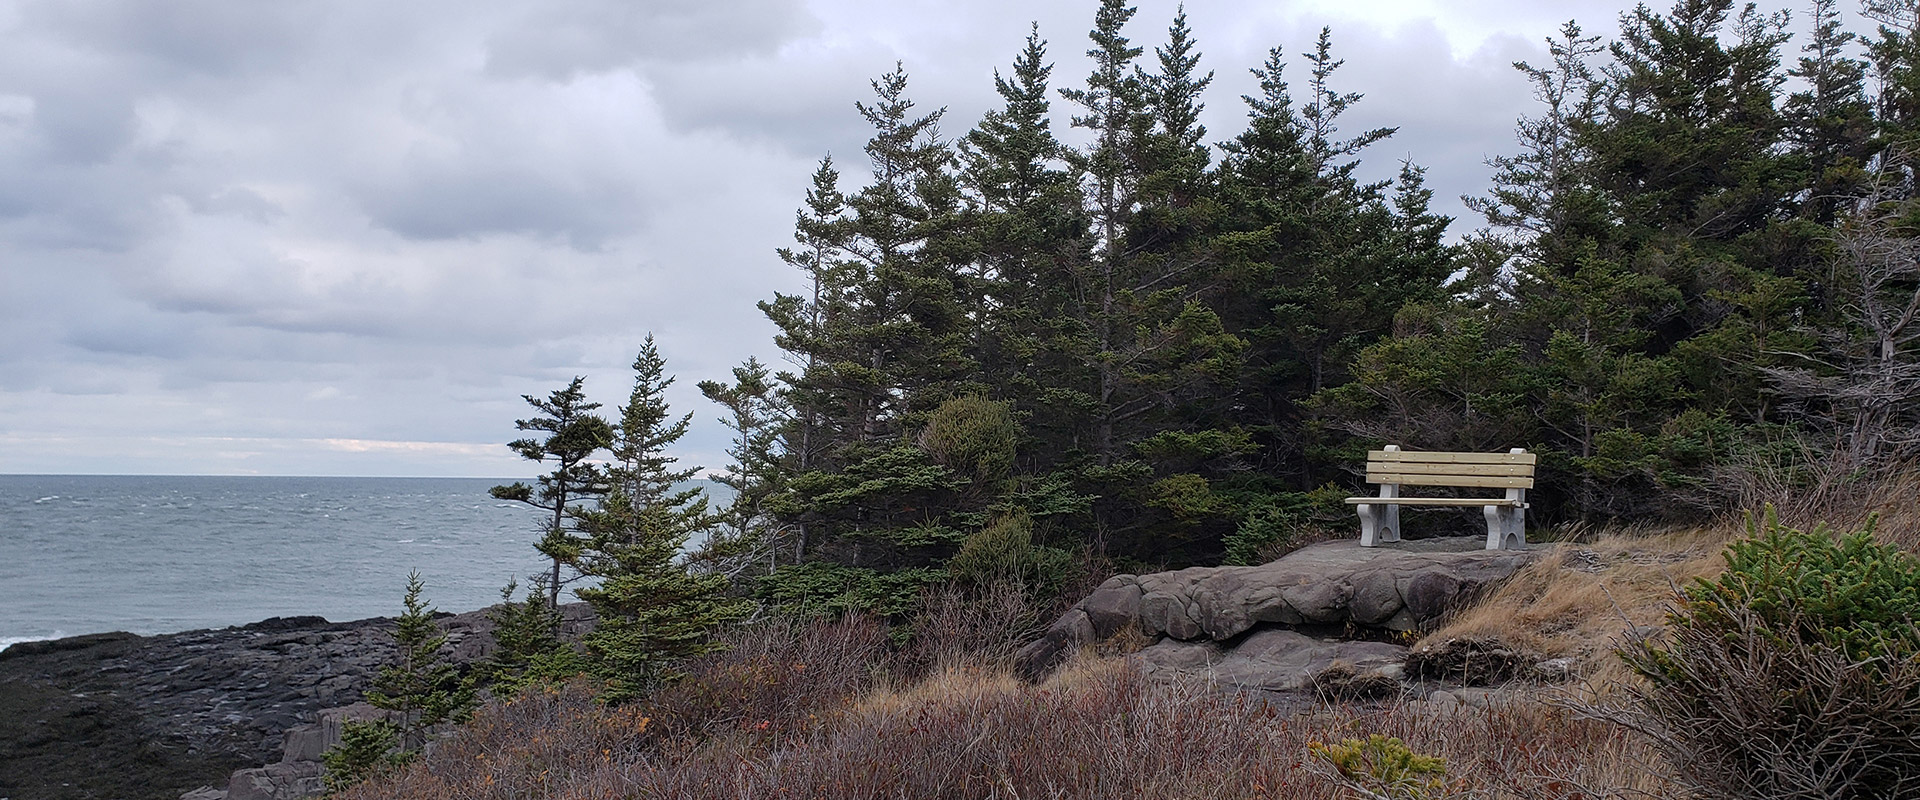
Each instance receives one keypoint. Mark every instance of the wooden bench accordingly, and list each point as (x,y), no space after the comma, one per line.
(1393,468)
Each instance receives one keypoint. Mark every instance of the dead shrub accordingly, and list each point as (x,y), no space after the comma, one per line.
(1473,661)
(1343,683)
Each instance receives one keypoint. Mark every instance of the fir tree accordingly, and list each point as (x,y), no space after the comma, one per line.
(749,533)
(419,686)
(574,434)
(366,749)
(651,611)
(528,646)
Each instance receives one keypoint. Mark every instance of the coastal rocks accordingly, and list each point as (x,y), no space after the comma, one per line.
(1273,660)
(286,780)
(125,716)
(1403,587)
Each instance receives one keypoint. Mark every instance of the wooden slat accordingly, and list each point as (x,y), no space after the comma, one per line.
(1491,481)
(1432,501)
(1428,457)
(1410,468)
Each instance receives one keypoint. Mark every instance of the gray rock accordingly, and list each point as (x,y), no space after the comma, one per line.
(205,793)
(282,781)
(1073,630)
(308,742)
(1401,587)
(1113,606)
(1273,659)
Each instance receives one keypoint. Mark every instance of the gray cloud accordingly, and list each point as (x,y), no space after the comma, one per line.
(306,237)
(559,42)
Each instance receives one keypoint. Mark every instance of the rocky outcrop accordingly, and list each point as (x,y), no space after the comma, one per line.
(125,716)
(1205,614)
(1273,659)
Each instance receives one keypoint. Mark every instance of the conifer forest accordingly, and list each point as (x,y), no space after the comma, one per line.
(1089,328)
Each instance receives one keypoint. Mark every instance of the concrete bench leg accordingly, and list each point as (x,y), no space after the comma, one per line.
(1379,524)
(1497,526)
(1506,527)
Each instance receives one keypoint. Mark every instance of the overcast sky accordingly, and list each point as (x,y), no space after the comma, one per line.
(327,238)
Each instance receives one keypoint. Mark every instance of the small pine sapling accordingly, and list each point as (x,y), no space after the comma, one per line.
(528,646)
(420,686)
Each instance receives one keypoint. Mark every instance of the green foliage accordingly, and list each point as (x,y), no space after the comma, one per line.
(1846,591)
(1383,767)
(972,435)
(367,748)
(573,435)
(820,589)
(1005,551)
(528,647)
(652,612)
(420,685)
(1795,673)
(1276,521)
(1187,497)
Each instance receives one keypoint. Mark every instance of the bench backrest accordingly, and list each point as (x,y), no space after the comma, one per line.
(1494,470)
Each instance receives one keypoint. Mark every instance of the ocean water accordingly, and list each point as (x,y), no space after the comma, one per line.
(156,554)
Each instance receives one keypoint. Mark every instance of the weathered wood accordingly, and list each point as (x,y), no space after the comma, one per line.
(1436,457)
(1418,468)
(1434,501)
(1486,481)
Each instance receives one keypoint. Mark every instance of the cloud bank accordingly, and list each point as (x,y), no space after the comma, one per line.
(322,238)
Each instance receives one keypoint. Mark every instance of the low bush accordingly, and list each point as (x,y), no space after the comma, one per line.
(1094,731)
(1794,674)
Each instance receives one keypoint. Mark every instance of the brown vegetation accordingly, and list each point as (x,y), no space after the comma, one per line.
(833,709)
(1096,731)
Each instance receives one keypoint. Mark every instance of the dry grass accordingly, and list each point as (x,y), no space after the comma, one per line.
(1842,498)
(1096,730)
(1579,600)
(827,711)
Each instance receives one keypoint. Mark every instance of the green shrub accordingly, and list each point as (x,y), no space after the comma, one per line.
(1383,767)
(973,436)
(1276,522)
(1794,674)
(1849,592)
(1004,551)
(367,748)
(820,589)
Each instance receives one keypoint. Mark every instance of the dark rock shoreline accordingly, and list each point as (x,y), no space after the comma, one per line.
(115,716)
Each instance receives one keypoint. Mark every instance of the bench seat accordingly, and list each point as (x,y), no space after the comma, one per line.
(1436,501)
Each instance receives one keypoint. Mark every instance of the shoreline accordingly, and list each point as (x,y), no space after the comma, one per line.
(117,714)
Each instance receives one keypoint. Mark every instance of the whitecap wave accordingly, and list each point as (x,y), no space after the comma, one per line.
(9,641)
(48,499)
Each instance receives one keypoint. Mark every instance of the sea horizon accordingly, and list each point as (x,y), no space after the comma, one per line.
(84,553)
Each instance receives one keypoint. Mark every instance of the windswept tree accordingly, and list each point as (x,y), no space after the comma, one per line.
(748,534)
(573,434)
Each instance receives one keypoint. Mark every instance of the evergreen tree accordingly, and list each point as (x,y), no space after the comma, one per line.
(366,749)
(528,646)
(749,533)
(419,686)
(1831,119)
(574,434)
(651,611)
(885,344)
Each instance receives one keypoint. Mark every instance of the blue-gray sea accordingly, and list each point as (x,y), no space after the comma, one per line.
(157,554)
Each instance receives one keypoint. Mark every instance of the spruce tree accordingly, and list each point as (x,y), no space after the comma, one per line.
(420,685)
(651,611)
(573,435)
(528,645)
(749,534)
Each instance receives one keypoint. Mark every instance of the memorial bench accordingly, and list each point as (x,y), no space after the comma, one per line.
(1393,468)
